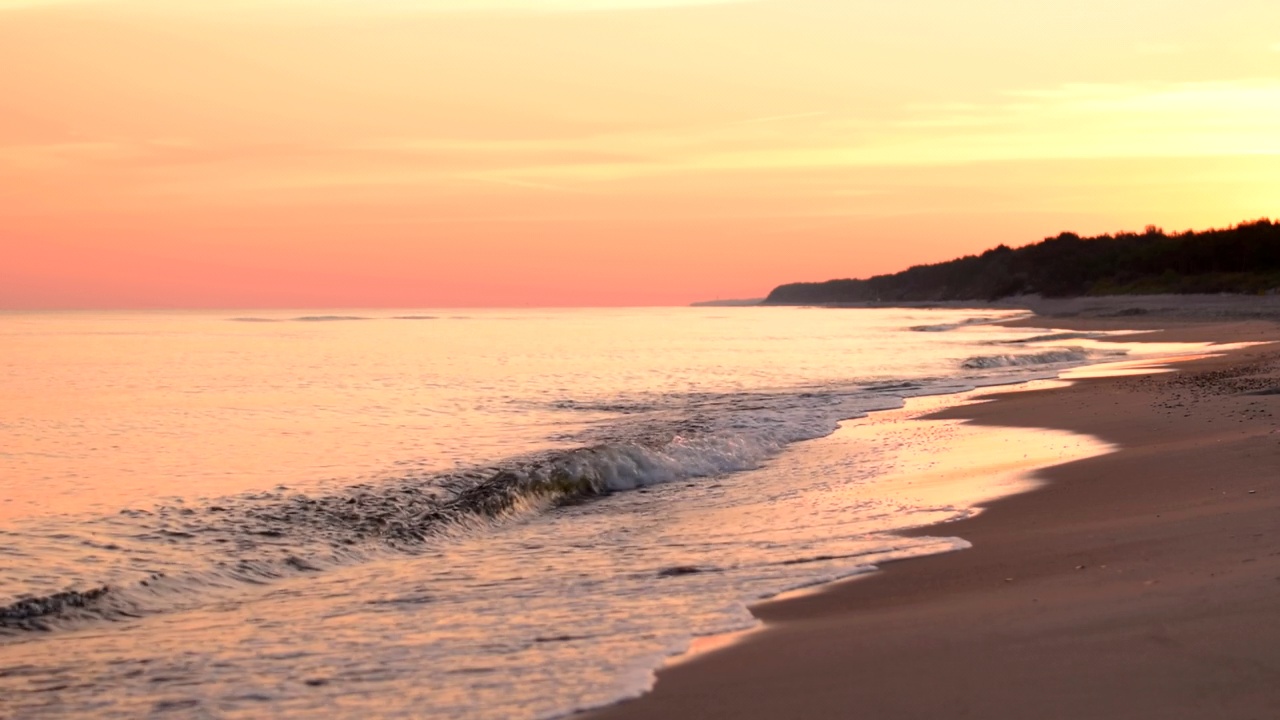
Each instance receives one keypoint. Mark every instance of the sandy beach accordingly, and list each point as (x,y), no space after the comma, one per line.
(1143,583)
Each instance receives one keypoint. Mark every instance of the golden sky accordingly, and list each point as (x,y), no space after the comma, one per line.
(414,153)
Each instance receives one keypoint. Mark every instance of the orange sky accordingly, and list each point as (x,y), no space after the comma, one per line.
(307,153)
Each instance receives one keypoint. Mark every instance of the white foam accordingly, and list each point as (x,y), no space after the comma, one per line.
(1055,356)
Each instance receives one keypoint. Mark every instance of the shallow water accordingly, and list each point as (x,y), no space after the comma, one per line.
(482,514)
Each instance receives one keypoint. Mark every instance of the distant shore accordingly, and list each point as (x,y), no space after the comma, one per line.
(1243,259)
(1176,307)
(1216,307)
(1144,583)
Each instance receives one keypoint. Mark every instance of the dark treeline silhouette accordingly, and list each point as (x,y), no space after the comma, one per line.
(1242,259)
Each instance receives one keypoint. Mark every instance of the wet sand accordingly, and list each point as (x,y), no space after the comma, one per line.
(1144,583)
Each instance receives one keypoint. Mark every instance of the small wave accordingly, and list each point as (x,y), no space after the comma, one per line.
(947,327)
(895,387)
(1048,357)
(1053,337)
(679,570)
(415,317)
(29,613)
(619,407)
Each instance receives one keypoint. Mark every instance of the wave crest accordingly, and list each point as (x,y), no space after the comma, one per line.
(1054,356)
(259,538)
(948,327)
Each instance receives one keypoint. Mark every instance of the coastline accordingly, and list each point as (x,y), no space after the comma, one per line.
(1143,583)
(1101,311)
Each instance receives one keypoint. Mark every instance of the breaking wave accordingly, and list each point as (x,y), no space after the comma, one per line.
(257,538)
(1048,357)
(947,327)
(1054,337)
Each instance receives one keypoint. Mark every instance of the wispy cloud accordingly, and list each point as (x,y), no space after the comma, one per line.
(27,4)
(1071,121)
(543,6)
(384,6)
(780,118)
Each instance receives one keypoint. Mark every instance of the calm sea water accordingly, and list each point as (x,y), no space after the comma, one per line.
(481,514)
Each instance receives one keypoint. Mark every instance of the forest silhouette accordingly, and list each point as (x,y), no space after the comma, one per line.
(1242,259)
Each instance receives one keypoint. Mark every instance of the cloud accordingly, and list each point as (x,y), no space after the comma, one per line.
(540,6)
(383,7)
(1067,122)
(27,4)
(780,118)
(1072,121)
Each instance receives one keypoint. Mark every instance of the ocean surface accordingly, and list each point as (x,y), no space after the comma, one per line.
(447,514)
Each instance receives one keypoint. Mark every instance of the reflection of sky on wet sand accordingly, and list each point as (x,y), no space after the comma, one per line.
(1168,355)
(941,464)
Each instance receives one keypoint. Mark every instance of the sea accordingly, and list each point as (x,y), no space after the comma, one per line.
(452,513)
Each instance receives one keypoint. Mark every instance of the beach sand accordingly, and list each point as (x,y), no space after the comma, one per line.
(1143,583)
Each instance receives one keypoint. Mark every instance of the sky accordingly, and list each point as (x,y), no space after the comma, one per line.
(449,153)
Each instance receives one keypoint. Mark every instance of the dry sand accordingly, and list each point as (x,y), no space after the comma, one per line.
(1144,583)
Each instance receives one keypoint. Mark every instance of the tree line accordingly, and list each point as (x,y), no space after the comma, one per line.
(1240,259)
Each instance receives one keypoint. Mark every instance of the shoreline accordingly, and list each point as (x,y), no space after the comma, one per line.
(1140,583)
(1145,309)
(964,470)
